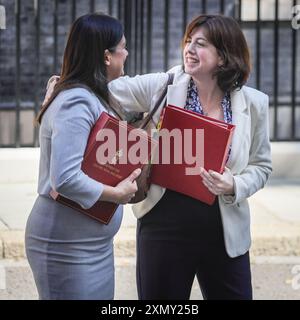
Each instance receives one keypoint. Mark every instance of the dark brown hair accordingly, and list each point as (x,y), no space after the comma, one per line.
(226,35)
(83,61)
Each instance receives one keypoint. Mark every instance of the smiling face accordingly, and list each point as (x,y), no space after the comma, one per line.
(115,59)
(200,56)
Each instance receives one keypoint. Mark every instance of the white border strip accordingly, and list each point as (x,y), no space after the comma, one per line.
(275,259)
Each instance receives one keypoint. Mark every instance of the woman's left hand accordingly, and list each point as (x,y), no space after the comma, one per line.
(218,183)
(50,88)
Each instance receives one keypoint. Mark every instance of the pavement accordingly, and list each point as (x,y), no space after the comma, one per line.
(275,214)
(272,279)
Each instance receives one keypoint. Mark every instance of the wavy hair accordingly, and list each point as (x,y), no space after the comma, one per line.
(227,37)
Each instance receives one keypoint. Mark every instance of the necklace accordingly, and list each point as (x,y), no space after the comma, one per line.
(206,113)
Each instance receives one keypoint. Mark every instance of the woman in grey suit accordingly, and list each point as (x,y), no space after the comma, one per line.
(70,254)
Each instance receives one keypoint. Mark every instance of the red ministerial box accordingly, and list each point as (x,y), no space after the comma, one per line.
(113,166)
(216,142)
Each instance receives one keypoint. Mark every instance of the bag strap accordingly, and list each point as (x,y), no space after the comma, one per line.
(111,108)
(158,103)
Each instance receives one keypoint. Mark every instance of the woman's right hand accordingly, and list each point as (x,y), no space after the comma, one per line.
(123,191)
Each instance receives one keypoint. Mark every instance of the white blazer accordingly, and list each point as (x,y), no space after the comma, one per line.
(250,158)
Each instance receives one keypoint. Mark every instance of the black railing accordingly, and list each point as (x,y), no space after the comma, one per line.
(284,100)
(153,30)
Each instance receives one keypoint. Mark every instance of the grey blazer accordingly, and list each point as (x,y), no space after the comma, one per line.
(69,118)
(250,159)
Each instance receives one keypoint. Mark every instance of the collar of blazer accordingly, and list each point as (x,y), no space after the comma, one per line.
(177,96)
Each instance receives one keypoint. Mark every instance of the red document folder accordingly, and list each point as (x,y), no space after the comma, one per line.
(118,166)
(101,210)
(217,140)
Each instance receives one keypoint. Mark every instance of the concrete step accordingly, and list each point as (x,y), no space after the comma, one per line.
(12,244)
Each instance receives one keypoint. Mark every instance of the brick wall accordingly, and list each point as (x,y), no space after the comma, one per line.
(31,86)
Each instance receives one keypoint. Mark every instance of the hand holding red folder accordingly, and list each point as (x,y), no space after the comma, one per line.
(218,183)
(128,187)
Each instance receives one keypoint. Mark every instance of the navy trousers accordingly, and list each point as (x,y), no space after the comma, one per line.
(181,238)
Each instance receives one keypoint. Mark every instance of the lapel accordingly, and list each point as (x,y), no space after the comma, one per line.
(177,92)
(240,118)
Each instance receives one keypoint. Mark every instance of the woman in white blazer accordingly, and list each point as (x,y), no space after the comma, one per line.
(179,237)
